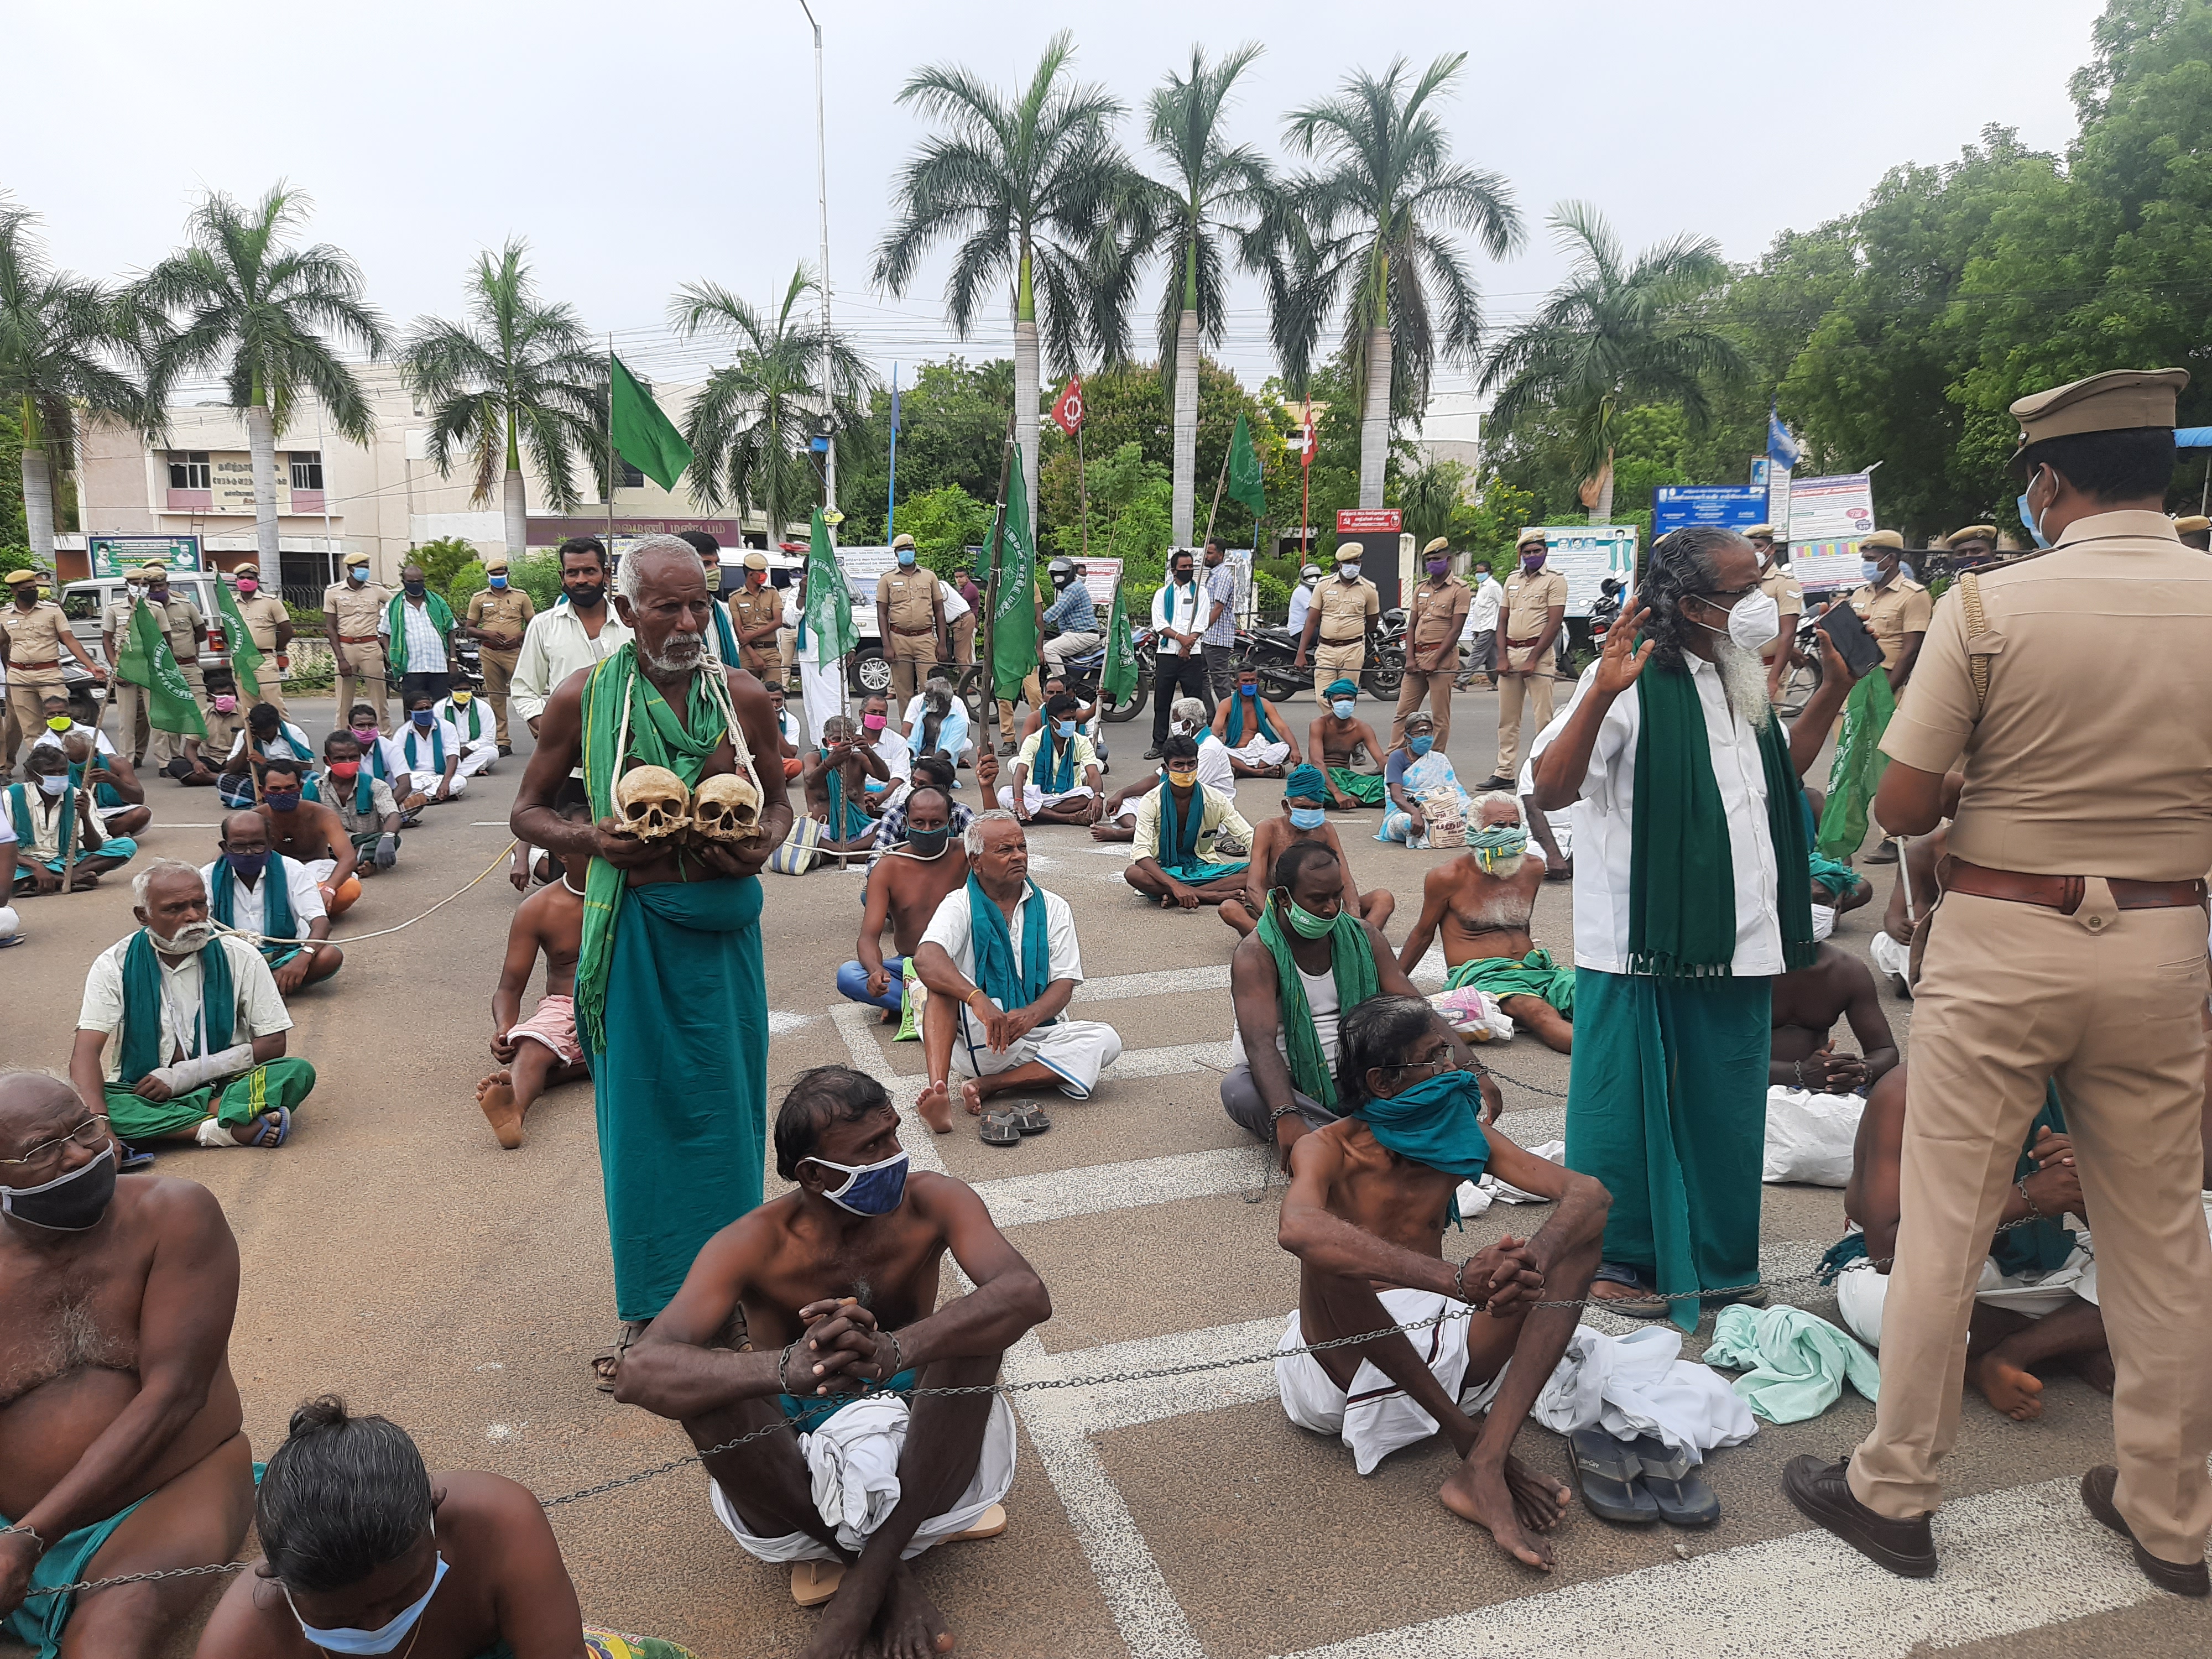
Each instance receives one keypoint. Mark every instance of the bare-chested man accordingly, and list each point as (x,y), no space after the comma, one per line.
(537,1053)
(835,775)
(1305,799)
(905,887)
(120,1442)
(1335,741)
(837,1285)
(310,833)
(1260,741)
(1482,902)
(1806,1006)
(1366,1222)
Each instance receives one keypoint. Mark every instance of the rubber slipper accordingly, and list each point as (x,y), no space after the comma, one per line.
(1648,1306)
(989,1524)
(134,1158)
(813,1582)
(1606,1473)
(1757,1297)
(1001,1128)
(263,1137)
(12,940)
(1029,1118)
(1683,1497)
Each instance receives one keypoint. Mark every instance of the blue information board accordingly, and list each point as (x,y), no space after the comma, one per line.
(1722,504)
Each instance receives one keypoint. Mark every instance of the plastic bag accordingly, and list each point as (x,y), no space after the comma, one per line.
(1809,1137)
(1473,1014)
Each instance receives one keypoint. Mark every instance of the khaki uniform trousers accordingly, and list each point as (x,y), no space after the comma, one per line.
(1512,690)
(498,675)
(2107,1001)
(913,655)
(360,679)
(1435,684)
(786,649)
(27,707)
(272,692)
(1333,662)
(964,639)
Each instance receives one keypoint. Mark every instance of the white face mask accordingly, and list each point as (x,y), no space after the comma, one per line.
(53,783)
(1349,572)
(1754,622)
(383,1639)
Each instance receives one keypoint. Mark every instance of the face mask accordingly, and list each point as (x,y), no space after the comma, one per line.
(1449,1093)
(1308,818)
(871,722)
(1533,562)
(345,771)
(285,800)
(1755,621)
(58,722)
(424,719)
(497,581)
(868,1189)
(1343,707)
(248,585)
(414,589)
(1439,567)
(1183,578)
(54,785)
(1304,922)
(1061,581)
(1182,779)
(69,1203)
(158,595)
(381,1640)
(587,596)
(1247,690)
(1500,849)
(2028,521)
(928,843)
(1349,572)
(461,699)
(905,557)
(357,575)
(1871,570)
(1307,581)
(188,940)
(1419,745)
(249,865)
(226,705)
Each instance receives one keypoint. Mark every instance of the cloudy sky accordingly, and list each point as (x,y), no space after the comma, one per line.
(640,146)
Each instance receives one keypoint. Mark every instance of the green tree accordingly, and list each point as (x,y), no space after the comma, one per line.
(447,563)
(944,523)
(1430,497)
(240,301)
(520,374)
(953,421)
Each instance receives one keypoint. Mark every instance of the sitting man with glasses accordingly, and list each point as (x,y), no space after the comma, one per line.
(121,1442)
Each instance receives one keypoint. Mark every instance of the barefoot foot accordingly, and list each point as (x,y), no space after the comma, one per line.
(934,1104)
(2017,1393)
(910,1626)
(844,1632)
(2095,1369)
(1481,1496)
(1539,1500)
(496,1098)
(971,1097)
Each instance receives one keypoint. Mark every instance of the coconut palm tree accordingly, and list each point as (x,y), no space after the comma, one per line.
(239,300)
(520,373)
(1613,335)
(1371,230)
(59,338)
(1028,186)
(748,427)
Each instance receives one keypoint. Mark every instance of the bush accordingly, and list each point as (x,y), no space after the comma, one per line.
(443,560)
(537,574)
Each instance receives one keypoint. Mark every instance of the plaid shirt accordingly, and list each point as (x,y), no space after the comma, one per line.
(1074,612)
(1221,586)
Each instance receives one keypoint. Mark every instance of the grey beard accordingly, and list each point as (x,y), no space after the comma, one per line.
(1743,681)
(680,655)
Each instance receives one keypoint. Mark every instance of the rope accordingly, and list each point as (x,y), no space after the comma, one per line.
(352,940)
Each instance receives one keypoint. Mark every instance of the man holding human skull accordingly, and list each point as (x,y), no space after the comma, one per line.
(671,1004)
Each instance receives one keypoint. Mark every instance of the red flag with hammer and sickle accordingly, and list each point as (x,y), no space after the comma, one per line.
(1068,411)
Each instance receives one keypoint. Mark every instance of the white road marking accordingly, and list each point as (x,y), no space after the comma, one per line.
(781,1022)
(1091,1189)
(1167,981)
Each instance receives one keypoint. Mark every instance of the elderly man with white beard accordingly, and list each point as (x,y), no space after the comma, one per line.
(1692,890)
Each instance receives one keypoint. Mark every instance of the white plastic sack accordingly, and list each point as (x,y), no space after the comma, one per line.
(1473,1014)
(1809,1137)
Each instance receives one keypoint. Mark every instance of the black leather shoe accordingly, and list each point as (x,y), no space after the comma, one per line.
(505,750)
(1823,1497)
(2181,1577)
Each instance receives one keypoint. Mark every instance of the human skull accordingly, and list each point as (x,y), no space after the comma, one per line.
(726,808)
(653,802)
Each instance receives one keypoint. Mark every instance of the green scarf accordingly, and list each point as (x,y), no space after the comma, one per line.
(1237,702)
(1681,883)
(657,737)
(1009,986)
(1057,776)
(364,791)
(142,1005)
(476,718)
(1179,835)
(19,802)
(437,748)
(441,619)
(276,919)
(1352,959)
(1437,1122)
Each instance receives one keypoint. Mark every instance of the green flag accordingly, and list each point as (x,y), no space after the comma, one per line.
(647,437)
(1117,681)
(245,657)
(830,631)
(1013,624)
(147,662)
(1244,471)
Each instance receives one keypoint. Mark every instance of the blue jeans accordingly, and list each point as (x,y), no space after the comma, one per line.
(853,984)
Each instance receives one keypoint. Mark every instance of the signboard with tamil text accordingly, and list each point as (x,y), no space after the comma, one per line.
(118,555)
(1828,518)
(1586,554)
(1672,508)
(1368,520)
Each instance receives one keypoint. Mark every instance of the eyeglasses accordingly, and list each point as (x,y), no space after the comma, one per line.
(90,1132)
(1427,1068)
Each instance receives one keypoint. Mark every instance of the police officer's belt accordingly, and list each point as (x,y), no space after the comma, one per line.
(2063,893)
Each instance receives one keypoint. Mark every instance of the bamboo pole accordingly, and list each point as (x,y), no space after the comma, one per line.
(1218,483)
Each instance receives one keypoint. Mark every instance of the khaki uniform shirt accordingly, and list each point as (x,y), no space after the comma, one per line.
(182,621)
(35,636)
(2060,778)
(359,610)
(262,614)
(1902,608)
(1344,608)
(911,596)
(1779,586)
(115,622)
(1434,617)
(756,609)
(1529,601)
(503,613)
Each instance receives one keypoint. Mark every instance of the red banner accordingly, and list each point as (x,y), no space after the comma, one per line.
(1358,520)
(1306,449)
(1067,413)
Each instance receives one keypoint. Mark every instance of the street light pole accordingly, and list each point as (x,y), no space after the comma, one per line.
(822,194)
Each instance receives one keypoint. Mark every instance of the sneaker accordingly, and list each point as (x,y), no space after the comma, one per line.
(1824,1497)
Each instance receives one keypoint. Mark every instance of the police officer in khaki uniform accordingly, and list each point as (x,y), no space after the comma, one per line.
(355,622)
(1534,611)
(1976,544)
(1779,586)
(1344,610)
(1436,614)
(2069,944)
(1894,607)
(910,612)
(185,628)
(756,617)
(134,735)
(498,618)
(38,634)
(2195,531)
(270,622)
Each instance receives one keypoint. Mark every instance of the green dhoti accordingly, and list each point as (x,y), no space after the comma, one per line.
(681,1084)
(1667,1106)
(277,1083)
(1533,976)
(1365,787)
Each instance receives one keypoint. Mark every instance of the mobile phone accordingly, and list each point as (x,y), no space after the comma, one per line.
(1860,651)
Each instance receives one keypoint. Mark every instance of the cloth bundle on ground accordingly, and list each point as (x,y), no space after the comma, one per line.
(1795,1364)
(1536,975)
(1639,1383)
(1473,1014)
(1810,1137)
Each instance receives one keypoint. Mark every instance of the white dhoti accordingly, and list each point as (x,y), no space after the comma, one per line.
(1376,1419)
(822,691)
(1890,955)
(1261,752)
(475,758)
(853,1460)
(1078,1050)
(1034,799)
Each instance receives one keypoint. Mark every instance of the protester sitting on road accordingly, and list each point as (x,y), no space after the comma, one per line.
(57,826)
(314,834)
(833,779)
(1118,820)
(841,1367)
(1302,821)
(225,1081)
(1055,777)
(937,721)
(1258,738)
(1483,902)
(257,890)
(878,736)
(364,1550)
(537,1053)
(430,751)
(933,769)
(1914,894)
(1088,720)
(1419,777)
(1001,961)
(365,808)
(112,780)
(1369,1199)
(474,726)
(225,717)
(906,884)
(1808,1002)
(381,756)
(1346,749)
(120,1431)
(1191,844)
(265,737)
(1311,959)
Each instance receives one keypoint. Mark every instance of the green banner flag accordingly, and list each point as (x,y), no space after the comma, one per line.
(1244,471)
(147,662)
(246,658)
(1856,772)
(647,437)
(1117,681)
(1013,624)
(831,635)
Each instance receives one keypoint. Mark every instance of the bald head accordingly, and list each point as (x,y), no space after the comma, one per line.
(35,1107)
(235,825)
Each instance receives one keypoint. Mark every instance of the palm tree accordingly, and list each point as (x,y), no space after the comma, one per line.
(240,300)
(1611,336)
(1372,230)
(1217,190)
(1029,186)
(520,373)
(57,335)
(748,427)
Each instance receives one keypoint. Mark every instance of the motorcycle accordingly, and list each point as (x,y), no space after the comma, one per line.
(1271,652)
(1092,664)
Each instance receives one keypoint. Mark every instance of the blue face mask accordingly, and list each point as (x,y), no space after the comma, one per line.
(906,556)
(497,581)
(1419,745)
(1308,818)
(287,800)
(868,1189)
(384,1640)
(424,719)
(1344,706)
(1247,690)
(1871,570)
(1065,728)
(248,865)
(2027,521)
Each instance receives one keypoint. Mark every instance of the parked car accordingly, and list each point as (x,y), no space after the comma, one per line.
(85,603)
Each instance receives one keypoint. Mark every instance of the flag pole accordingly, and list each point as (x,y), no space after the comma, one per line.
(1218,483)
(611,455)
(891,495)
(1082,490)
(991,590)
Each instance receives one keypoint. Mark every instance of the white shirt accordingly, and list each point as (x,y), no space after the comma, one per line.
(953,928)
(246,903)
(1482,615)
(1172,608)
(426,645)
(290,742)
(418,750)
(487,728)
(1604,820)
(50,738)
(554,647)
(1301,602)
(955,606)
(260,1011)
(897,758)
(395,763)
